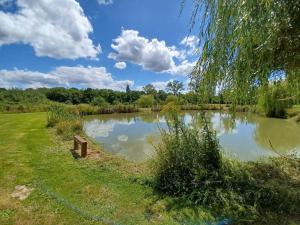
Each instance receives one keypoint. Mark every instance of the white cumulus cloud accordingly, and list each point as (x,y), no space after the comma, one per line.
(120,65)
(152,55)
(80,77)
(160,85)
(191,42)
(54,28)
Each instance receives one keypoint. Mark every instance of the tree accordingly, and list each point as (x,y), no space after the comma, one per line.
(128,94)
(245,42)
(175,87)
(127,89)
(149,89)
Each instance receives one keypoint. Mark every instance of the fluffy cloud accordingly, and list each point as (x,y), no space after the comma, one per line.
(160,85)
(105,2)
(191,42)
(185,68)
(120,65)
(54,28)
(81,77)
(153,55)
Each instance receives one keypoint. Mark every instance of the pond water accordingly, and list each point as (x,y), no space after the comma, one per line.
(247,137)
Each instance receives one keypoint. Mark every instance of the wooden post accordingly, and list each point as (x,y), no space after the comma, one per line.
(75,144)
(83,145)
(84,149)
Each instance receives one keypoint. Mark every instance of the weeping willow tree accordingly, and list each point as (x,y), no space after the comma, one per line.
(244,43)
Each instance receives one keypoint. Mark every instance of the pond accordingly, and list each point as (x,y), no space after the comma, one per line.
(247,137)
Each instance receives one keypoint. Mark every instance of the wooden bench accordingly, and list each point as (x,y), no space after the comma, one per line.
(83,145)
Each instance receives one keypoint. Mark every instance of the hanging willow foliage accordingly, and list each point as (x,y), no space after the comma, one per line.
(243,42)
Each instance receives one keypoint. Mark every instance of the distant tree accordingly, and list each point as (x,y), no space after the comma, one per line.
(127,89)
(128,94)
(149,89)
(175,87)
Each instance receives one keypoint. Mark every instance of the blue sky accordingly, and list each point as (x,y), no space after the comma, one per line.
(95,43)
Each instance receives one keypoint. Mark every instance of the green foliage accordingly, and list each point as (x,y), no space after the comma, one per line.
(16,100)
(146,101)
(170,107)
(175,87)
(190,167)
(244,43)
(273,100)
(122,108)
(149,89)
(186,158)
(172,98)
(99,101)
(66,121)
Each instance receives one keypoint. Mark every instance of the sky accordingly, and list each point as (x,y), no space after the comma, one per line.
(95,43)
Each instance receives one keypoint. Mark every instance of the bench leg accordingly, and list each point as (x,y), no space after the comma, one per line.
(75,145)
(84,149)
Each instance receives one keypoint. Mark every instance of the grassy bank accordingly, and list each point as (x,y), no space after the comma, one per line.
(101,189)
(98,190)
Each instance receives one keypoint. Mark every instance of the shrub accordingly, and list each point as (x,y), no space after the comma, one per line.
(100,101)
(186,158)
(189,166)
(171,98)
(146,101)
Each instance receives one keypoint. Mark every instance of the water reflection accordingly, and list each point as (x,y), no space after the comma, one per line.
(246,137)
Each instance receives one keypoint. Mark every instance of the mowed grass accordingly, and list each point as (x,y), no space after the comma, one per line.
(66,190)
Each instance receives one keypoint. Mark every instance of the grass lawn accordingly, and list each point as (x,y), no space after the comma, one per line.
(66,190)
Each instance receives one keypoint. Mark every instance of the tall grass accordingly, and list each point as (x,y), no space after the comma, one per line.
(86,109)
(189,166)
(66,121)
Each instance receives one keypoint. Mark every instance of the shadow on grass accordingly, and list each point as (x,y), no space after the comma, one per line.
(75,154)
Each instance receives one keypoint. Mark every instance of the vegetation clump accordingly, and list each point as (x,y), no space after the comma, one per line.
(273,100)
(66,121)
(190,167)
(146,101)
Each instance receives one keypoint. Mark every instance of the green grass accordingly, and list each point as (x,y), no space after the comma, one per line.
(66,191)
(104,190)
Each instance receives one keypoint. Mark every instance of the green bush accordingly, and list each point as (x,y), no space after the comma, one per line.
(190,167)
(100,101)
(186,158)
(146,101)
(172,98)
